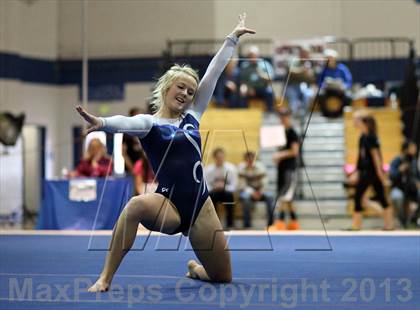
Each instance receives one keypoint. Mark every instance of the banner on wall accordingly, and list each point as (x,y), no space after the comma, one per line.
(288,53)
(104,92)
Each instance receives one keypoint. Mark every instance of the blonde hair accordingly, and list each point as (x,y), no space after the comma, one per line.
(165,82)
(95,145)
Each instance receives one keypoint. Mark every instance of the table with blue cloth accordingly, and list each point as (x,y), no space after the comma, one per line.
(59,211)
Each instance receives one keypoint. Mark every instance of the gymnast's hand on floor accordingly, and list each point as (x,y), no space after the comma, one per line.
(94,122)
(240,29)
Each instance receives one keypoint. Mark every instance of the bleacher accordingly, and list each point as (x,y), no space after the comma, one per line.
(330,143)
(234,130)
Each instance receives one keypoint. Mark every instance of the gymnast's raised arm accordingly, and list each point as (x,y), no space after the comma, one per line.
(138,125)
(216,67)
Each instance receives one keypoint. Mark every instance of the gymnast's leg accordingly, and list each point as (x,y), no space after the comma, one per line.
(208,241)
(153,211)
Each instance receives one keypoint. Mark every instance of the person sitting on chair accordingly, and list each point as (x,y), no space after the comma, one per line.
(226,93)
(335,90)
(252,182)
(222,179)
(405,178)
(255,76)
(300,77)
(96,162)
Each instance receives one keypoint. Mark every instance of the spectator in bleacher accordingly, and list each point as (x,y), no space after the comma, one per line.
(252,187)
(337,75)
(369,172)
(226,93)
(255,77)
(405,178)
(143,175)
(222,180)
(286,159)
(96,162)
(301,76)
(335,92)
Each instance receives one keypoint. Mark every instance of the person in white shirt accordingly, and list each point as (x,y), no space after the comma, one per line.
(252,186)
(222,180)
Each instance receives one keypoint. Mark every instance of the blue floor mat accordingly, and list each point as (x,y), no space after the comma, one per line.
(280,271)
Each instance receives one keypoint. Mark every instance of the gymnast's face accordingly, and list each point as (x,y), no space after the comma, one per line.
(181,93)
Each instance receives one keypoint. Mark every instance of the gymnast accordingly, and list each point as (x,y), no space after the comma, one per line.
(172,143)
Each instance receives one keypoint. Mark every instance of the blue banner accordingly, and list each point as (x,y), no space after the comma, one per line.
(58,211)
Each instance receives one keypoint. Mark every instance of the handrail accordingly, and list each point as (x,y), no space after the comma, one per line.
(187,43)
(391,40)
(351,44)
(245,42)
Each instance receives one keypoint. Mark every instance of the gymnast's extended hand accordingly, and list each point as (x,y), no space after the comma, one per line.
(94,122)
(240,29)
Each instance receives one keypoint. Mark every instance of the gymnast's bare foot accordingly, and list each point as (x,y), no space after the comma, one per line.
(191,266)
(99,286)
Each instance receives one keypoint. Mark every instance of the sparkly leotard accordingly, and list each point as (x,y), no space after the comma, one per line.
(174,146)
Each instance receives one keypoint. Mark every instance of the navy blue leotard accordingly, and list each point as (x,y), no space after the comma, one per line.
(173,146)
(175,156)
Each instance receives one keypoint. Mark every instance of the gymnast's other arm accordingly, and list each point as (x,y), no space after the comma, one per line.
(138,125)
(216,67)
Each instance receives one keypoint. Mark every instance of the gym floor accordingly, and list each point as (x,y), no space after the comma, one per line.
(301,270)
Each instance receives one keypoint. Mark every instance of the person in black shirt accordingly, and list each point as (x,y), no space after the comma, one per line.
(369,172)
(132,152)
(131,147)
(286,160)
